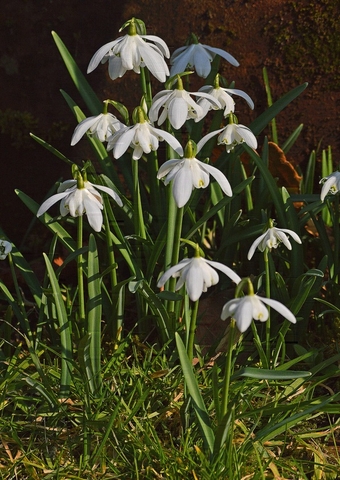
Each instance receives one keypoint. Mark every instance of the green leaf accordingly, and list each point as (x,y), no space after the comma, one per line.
(266,117)
(90,98)
(65,334)
(266,374)
(200,409)
(94,311)
(55,227)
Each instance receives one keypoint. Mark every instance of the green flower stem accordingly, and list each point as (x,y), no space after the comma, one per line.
(146,86)
(155,197)
(266,266)
(20,300)
(228,369)
(173,245)
(192,331)
(137,202)
(80,275)
(337,239)
(110,251)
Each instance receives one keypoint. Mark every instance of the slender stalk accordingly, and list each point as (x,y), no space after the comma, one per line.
(20,300)
(80,276)
(192,331)
(266,266)
(137,202)
(175,244)
(336,237)
(110,251)
(228,369)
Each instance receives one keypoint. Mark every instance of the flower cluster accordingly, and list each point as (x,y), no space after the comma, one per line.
(135,51)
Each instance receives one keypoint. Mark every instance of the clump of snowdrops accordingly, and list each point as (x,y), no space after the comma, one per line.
(154,232)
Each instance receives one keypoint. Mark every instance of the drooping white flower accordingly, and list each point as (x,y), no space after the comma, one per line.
(131,52)
(199,57)
(5,249)
(232,135)
(331,184)
(99,126)
(188,173)
(224,97)
(272,238)
(249,307)
(142,137)
(178,106)
(78,198)
(198,274)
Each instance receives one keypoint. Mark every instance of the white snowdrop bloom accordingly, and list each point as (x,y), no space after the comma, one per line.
(243,310)
(77,201)
(198,274)
(272,239)
(188,173)
(199,57)
(331,184)
(131,52)
(99,126)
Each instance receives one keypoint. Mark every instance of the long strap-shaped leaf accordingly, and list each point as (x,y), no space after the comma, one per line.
(265,118)
(94,311)
(85,90)
(200,409)
(65,334)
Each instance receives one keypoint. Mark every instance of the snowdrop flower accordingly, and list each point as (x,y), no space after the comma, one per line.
(142,137)
(131,52)
(223,96)
(197,56)
(78,197)
(232,135)
(331,184)
(178,106)
(5,249)
(100,126)
(198,274)
(249,307)
(189,173)
(272,238)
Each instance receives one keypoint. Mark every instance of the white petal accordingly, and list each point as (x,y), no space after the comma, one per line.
(241,93)
(97,57)
(279,307)
(326,187)
(167,167)
(155,63)
(172,272)
(193,276)
(255,244)
(182,186)
(109,191)
(83,127)
(223,54)
(159,42)
(180,61)
(219,177)
(294,235)
(226,270)
(170,139)
(177,112)
(51,201)
(116,69)
(206,138)
(123,142)
(202,61)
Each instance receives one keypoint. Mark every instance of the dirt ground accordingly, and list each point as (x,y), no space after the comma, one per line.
(32,74)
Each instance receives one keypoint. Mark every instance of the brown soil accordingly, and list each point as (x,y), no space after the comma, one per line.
(32,74)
